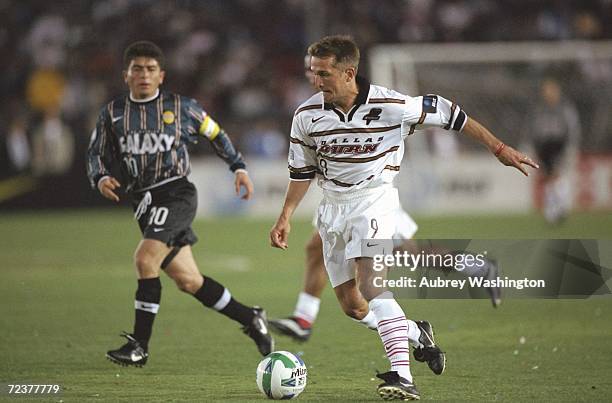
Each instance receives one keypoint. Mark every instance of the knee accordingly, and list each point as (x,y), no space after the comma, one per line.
(189,284)
(145,264)
(354,312)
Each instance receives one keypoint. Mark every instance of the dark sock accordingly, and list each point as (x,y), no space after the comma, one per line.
(217,297)
(148,296)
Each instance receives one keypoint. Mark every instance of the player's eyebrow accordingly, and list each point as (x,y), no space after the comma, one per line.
(142,66)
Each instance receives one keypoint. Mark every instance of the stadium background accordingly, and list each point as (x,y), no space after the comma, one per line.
(64,62)
(67,280)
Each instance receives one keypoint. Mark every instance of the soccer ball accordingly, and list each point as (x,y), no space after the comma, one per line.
(281,375)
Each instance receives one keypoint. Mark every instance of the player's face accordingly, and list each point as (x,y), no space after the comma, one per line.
(143,76)
(333,80)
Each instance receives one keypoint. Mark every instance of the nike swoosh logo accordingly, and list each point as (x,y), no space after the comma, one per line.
(135,357)
(117,118)
(369,246)
(157,229)
(317,119)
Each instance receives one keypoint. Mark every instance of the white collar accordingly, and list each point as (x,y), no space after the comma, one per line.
(152,97)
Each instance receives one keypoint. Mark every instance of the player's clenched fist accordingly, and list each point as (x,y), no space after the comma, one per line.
(107,186)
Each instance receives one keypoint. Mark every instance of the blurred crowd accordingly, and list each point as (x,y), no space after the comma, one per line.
(242,59)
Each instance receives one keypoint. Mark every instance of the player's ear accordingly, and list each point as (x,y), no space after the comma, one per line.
(350,73)
(162,74)
(125,76)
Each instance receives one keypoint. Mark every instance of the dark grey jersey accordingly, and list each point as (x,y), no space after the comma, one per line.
(149,140)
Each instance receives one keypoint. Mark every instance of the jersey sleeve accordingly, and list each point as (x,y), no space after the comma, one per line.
(204,125)
(99,151)
(200,122)
(302,153)
(432,111)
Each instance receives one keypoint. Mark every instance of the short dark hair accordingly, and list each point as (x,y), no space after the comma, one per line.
(143,49)
(342,47)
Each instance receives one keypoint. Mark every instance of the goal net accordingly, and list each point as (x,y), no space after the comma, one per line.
(499,84)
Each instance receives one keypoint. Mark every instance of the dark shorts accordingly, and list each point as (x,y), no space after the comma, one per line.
(166,212)
(549,153)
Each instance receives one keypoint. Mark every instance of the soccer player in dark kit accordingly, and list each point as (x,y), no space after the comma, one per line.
(147,132)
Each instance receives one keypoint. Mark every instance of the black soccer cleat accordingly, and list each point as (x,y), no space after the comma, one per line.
(292,328)
(430,352)
(395,387)
(259,332)
(131,353)
(494,292)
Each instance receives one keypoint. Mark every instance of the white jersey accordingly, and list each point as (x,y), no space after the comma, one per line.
(364,147)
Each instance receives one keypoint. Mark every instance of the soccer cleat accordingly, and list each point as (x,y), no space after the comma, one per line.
(131,353)
(494,292)
(430,352)
(395,387)
(291,327)
(258,331)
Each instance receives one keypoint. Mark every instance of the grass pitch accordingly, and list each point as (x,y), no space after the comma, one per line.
(67,290)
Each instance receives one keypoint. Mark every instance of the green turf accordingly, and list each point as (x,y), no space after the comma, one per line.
(67,289)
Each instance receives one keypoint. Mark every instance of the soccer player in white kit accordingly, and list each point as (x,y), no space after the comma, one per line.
(299,326)
(351,135)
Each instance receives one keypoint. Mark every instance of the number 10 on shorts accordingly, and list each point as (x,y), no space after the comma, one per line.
(158,215)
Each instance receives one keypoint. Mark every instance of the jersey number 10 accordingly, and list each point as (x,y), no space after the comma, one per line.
(158,215)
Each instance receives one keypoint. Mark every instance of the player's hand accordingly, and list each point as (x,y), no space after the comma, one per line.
(107,186)
(242,180)
(279,234)
(511,157)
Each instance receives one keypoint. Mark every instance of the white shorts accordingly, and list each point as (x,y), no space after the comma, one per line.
(405,226)
(346,221)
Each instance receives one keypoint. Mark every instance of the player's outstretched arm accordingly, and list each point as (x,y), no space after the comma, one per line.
(280,231)
(504,153)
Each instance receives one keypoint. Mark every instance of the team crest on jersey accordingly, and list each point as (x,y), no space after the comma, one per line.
(168,117)
(374,114)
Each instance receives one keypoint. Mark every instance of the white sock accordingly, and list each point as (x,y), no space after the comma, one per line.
(307,307)
(393,331)
(369,321)
(414,333)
